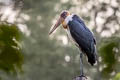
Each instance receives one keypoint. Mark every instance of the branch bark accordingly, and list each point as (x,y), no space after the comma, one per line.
(80,78)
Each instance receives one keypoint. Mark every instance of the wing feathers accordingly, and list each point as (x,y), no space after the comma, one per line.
(84,37)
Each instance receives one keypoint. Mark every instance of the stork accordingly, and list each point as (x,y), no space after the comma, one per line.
(79,34)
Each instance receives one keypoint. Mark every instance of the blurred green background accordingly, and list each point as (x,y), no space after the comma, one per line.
(27,52)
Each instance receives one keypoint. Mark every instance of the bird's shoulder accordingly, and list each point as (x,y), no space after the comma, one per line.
(76,17)
(77,23)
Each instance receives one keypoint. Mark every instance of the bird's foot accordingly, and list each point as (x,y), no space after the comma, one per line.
(81,77)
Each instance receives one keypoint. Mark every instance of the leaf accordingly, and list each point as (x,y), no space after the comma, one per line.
(117,77)
(108,54)
(11,57)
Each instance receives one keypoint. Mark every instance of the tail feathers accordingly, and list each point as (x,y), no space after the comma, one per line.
(92,56)
(92,59)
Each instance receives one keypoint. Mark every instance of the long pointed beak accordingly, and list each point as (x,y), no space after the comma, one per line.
(55,26)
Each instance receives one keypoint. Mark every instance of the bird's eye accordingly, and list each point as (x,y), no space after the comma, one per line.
(64,14)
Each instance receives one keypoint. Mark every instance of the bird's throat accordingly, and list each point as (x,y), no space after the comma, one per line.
(66,21)
(64,25)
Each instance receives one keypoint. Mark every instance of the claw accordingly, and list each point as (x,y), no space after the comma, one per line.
(81,77)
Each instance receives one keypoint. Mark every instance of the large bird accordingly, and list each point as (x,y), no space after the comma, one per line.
(79,34)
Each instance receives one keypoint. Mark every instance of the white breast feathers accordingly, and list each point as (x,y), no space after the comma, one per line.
(68,18)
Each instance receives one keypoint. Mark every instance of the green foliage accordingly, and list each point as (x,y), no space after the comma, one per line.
(11,57)
(117,77)
(108,53)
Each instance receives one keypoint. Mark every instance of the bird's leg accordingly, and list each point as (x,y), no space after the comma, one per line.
(81,65)
(82,76)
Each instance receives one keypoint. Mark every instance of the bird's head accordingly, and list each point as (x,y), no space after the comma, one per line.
(61,20)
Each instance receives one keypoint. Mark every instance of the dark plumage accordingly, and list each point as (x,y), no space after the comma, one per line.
(83,37)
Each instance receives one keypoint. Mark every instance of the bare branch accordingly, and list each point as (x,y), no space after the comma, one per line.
(80,78)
